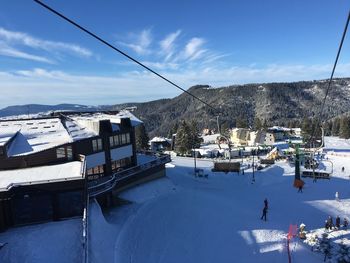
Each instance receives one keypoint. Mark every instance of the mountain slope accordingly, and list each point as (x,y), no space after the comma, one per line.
(277,103)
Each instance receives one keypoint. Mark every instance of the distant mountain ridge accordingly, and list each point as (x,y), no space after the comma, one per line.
(275,103)
(38,108)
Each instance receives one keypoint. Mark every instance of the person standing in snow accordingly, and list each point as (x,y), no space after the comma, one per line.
(337,222)
(264,214)
(337,196)
(343,169)
(345,225)
(330,222)
(300,189)
(266,203)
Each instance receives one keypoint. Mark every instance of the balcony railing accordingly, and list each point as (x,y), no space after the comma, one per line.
(104,185)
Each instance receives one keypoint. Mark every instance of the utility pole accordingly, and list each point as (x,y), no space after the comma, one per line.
(297,163)
(195,162)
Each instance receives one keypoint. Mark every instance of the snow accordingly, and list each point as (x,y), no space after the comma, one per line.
(159,139)
(39,175)
(33,135)
(182,218)
(43,243)
(336,144)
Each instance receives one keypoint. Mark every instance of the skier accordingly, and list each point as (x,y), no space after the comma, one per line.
(343,169)
(266,203)
(300,189)
(345,223)
(264,214)
(326,225)
(330,222)
(337,222)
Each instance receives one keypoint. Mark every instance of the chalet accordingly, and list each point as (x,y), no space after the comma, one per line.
(49,165)
(240,136)
(160,144)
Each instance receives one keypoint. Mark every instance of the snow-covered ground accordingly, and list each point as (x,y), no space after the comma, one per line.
(182,218)
(50,242)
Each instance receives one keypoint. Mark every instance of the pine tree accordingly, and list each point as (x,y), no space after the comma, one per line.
(141,137)
(257,124)
(326,247)
(173,130)
(183,139)
(343,255)
(335,127)
(344,128)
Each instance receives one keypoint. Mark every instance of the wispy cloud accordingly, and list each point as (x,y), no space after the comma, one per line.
(194,49)
(36,43)
(8,51)
(139,42)
(33,86)
(168,44)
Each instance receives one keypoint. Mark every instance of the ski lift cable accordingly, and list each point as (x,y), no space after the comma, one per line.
(330,81)
(123,53)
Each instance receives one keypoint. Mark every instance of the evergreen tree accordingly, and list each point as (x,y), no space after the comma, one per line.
(306,128)
(257,124)
(225,129)
(326,247)
(343,255)
(344,128)
(187,137)
(241,122)
(173,130)
(141,137)
(335,127)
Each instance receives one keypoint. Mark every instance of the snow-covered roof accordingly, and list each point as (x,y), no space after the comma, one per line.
(33,135)
(210,138)
(41,175)
(127,114)
(160,139)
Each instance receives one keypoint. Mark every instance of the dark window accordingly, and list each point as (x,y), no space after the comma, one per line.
(111,141)
(128,138)
(1,151)
(97,145)
(69,153)
(61,152)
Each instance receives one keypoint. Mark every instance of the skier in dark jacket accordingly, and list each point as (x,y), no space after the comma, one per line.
(345,223)
(266,203)
(337,222)
(264,214)
(330,222)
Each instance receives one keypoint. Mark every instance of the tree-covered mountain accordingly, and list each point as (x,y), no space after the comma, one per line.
(286,104)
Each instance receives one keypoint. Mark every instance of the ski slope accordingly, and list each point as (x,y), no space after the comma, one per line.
(182,218)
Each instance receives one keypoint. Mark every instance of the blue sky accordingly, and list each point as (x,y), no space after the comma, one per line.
(43,59)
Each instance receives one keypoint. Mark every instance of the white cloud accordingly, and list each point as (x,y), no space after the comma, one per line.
(193,49)
(13,38)
(9,40)
(8,51)
(140,42)
(51,87)
(168,44)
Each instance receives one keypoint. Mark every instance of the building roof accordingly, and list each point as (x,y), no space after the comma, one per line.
(32,135)
(38,134)
(41,175)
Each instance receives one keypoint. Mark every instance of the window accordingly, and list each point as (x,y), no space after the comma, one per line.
(123,138)
(97,145)
(1,150)
(61,152)
(121,163)
(69,153)
(95,172)
(128,138)
(111,141)
(116,140)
